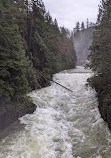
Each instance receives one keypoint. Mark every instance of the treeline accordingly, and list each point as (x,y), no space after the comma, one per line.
(100,60)
(82,26)
(31,44)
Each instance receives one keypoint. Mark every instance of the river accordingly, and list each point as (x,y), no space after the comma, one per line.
(65,124)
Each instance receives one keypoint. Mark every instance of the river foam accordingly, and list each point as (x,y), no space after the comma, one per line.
(65,124)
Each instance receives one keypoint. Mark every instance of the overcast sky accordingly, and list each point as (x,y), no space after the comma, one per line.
(68,12)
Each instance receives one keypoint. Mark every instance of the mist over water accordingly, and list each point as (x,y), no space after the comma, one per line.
(65,124)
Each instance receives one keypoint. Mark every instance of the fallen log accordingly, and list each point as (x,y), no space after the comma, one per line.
(56,83)
(62,86)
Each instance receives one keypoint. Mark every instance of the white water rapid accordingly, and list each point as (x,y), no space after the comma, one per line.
(65,124)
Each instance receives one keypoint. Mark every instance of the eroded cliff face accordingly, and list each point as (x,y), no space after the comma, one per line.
(82,42)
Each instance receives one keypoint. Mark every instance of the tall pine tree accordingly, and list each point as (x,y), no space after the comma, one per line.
(14,66)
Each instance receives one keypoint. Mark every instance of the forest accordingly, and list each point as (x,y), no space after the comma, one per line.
(100,60)
(32,45)
(50,105)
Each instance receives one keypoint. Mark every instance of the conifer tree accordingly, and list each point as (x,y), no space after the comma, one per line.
(56,26)
(82,26)
(63,31)
(13,63)
(77,28)
(100,49)
(72,36)
(100,59)
(55,23)
(87,23)
(31,44)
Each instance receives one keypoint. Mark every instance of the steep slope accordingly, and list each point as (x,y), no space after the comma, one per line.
(100,60)
(32,46)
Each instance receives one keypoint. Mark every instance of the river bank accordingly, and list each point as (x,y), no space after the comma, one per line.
(65,124)
(101,84)
(12,112)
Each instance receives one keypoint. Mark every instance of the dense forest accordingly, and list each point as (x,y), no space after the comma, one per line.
(32,45)
(100,60)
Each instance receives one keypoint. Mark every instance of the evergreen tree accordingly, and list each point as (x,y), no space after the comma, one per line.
(77,28)
(72,36)
(100,49)
(63,31)
(82,26)
(13,63)
(31,45)
(56,26)
(55,23)
(100,59)
(87,23)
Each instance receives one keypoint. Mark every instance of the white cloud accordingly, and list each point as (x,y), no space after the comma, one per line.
(68,12)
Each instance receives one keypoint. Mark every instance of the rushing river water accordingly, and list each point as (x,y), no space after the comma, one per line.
(65,124)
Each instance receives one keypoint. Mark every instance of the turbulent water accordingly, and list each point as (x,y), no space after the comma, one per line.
(65,124)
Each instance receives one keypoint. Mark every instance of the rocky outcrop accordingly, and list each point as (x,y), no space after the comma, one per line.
(10,113)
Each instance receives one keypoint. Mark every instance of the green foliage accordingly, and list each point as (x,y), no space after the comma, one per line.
(100,57)
(30,47)
(13,63)
(43,40)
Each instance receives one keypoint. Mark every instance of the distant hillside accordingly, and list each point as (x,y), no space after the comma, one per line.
(82,42)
